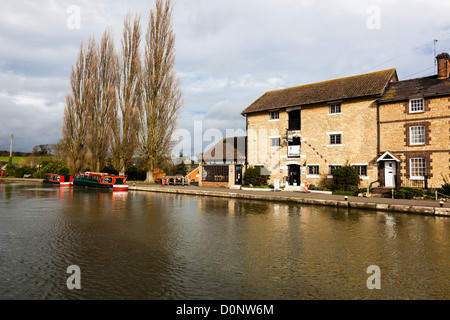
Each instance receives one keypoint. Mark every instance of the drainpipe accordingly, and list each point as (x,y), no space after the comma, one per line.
(246,141)
(378,139)
(378,130)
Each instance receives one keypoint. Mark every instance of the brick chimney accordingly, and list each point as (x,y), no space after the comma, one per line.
(443,63)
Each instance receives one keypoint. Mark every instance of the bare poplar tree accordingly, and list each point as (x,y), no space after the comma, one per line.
(100,112)
(75,122)
(162,96)
(125,123)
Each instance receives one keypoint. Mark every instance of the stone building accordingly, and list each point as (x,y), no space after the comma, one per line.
(414,130)
(395,133)
(302,134)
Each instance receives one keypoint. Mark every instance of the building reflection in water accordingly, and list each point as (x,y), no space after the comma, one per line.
(163,246)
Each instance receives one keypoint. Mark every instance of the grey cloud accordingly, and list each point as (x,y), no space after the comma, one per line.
(228,52)
(29,124)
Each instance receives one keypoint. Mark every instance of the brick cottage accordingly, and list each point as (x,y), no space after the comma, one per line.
(393,132)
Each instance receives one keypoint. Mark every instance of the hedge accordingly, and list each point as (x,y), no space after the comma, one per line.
(407,193)
(253,177)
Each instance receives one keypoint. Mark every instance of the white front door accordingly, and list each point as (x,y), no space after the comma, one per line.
(390,170)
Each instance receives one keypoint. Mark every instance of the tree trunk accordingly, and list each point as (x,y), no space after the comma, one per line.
(122,167)
(150,178)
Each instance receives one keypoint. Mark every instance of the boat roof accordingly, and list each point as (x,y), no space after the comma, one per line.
(88,173)
(95,173)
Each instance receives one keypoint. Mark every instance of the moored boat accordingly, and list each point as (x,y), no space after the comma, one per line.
(58,179)
(101,180)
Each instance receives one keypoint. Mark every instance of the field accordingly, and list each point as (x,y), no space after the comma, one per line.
(15,159)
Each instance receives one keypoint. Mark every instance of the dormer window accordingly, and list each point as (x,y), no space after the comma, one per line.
(416,105)
(274,115)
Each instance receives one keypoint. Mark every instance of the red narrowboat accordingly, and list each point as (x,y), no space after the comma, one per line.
(59,179)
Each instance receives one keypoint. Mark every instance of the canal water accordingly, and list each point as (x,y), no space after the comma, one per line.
(139,245)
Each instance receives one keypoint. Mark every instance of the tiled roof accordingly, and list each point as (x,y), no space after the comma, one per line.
(227,149)
(420,87)
(370,84)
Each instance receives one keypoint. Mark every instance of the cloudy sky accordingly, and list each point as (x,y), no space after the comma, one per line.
(229,52)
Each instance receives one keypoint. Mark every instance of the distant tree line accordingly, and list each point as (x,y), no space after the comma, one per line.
(123,104)
(44,159)
(39,150)
(4,153)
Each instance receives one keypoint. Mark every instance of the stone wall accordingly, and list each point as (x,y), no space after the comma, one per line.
(357,124)
(395,121)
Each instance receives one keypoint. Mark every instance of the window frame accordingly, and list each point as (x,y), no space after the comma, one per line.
(360,166)
(315,170)
(215,173)
(272,116)
(330,169)
(333,108)
(335,135)
(415,168)
(413,138)
(413,106)
(271,139)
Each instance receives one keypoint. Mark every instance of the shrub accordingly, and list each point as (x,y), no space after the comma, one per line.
(319,188)
(345,193)
(10,168)
(63,170)
(21,171)
(346,178)
(136,174)
(445,189)
(182,169)
(407,193)
(253,176)
(429,194)
(45,167)
(353,192)
(49,168)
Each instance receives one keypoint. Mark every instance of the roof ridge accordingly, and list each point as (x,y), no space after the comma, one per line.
(362,85)
(414,79)
(331,80)
(418,87)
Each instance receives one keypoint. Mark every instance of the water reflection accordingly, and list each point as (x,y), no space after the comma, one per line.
(154,246)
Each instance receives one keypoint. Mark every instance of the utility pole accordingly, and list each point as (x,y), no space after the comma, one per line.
(435,60)
(10,147)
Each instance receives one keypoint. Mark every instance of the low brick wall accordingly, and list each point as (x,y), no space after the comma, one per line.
(209,184)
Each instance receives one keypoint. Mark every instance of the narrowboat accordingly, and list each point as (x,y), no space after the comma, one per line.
(58,179)
(101,180)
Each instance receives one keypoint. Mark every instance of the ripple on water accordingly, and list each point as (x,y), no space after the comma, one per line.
(148,246)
